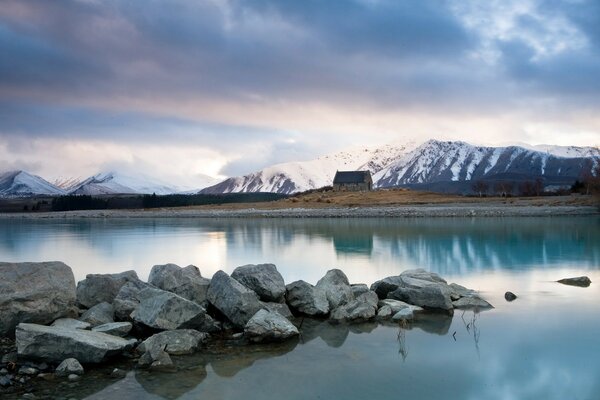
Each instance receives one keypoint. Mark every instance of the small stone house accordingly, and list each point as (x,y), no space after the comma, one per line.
(352,181)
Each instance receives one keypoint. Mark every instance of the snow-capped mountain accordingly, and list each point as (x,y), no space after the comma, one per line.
(441,165)
(305,175)
(20,183)
(117,183)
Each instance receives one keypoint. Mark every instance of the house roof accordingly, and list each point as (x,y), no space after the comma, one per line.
(351,177)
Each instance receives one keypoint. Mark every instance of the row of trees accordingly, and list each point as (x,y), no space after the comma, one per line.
(509,188)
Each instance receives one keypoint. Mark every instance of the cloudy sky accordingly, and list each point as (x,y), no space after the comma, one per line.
(185,88)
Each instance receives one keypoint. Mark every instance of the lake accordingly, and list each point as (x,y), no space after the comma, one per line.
(544,345)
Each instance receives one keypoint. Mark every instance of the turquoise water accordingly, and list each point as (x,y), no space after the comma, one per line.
(544,345)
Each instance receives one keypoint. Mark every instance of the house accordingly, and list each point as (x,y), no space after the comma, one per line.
(352,181)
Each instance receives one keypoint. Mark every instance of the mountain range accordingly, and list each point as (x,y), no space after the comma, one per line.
(446,166)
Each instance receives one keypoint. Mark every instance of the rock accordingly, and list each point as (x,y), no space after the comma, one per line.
(68,367)
(73,378)
(263,279)
(457,291)
(24,370)
(358,289)
(114,328)
(53,344)
(389,307)
(164,310)
(3,371)
(156,359)
(307,299)
(34,292)
(386,285)
(406,314)
(127,299)
(10,358)
(269,326)
(471,302)
(98,288)
(234,300)
(186,282)
(336,287)
(433,296)
(363,308)
(385,312)
(100,314)
(510,296)
(47,376)
(5,381)
(70,323)
(280,308)
(419,278)
(177,342)
(118,374)
(582,281)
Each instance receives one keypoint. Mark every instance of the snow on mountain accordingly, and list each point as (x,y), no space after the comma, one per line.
(117,183)
(21,183)
(430,163)
(305,175)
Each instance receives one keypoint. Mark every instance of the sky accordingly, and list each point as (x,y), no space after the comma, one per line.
(185,89)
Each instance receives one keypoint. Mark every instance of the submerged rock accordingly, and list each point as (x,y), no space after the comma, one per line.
(269,326)
(232,299)
(68,367)
(471,302)
(164,310)
(177,342)
(53,344)
(336,287)
(114,328)
(581,281)
(186,282)
(71,323)
(34,292)
(307,299)
(99,314)
(510,296)
(98,288)
(263,279)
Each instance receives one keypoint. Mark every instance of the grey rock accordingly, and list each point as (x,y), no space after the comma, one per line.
(121,329)
(363,308)
(53,344)
(386,285)
(70,323)
(164,310)
(34,292)
(30,371)
(156,359)
(471,302)
(406,314)
(102,313)
(269,326)
(98,288)
(432,296)
(336,287)
(419,278)
(186,282)
(280,308)
(263,279)
(127,299)
(359,288)
(118,374)
(177,342)
(582,281)
(457,291)
(307,299)
(73,378)
(385,312)
(11,357)
(3,371)
(5,381)
(68,367)
(232,299)
(510,296)
(395,305)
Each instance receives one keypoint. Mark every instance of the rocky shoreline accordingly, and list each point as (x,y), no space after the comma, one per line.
(54,329)
(415,211)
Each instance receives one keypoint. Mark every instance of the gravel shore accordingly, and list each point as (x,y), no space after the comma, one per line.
(446,210)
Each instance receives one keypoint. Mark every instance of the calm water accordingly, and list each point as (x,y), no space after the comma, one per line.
(545,345)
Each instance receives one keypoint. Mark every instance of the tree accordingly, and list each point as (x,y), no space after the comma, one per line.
(503,189)
(480,187)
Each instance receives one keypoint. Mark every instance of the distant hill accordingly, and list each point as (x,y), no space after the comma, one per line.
(20,183)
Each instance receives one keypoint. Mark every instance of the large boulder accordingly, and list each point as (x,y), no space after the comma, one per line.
(71,323)
(419,278)
(121,329)
(363,308)
(432,296)
(234,300)
(127,299)
(386,285)
(34,292)
(98,288)
(306,299)
(269,326)
(186,282)
(263,279)
(336,287)
(177,342)
(54,344)
(99,314)
(164,310)
(280,308)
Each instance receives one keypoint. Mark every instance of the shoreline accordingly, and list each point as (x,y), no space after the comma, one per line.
(413,211)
